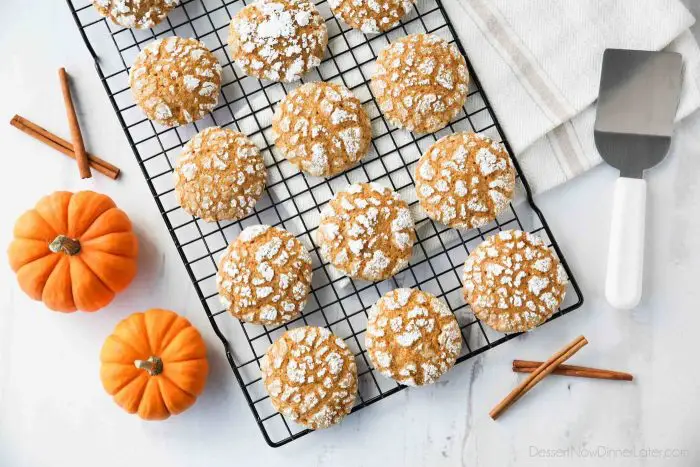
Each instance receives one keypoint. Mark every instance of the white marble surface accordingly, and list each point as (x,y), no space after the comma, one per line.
(53,411)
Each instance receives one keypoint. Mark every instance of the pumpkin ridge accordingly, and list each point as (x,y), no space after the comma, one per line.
(118,256)
(156,393)
(81,203)
(185,360)
(43,285)
(31,225)
(141,391)
(98,218)
(17,243)
(167,346)
(149,338)
(55,201)
(127,381)
(88,244)
(53,271)
(170,380)
(163,348)
(121,219)
(58,231)
(125,344)
(77,258)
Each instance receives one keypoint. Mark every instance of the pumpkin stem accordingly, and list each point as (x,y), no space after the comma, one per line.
(154,365)
(67,245)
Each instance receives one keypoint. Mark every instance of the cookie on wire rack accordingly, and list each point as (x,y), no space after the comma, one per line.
(372,16)
(321,128)
(311,377)
(412,337)
(513,282)
(137,14)
(366,232)
(175,80)
(278,40)
(420,82)
(464,180)
(219,175)
(264,276)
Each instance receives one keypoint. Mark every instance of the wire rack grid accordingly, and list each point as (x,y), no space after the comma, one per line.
(294,200)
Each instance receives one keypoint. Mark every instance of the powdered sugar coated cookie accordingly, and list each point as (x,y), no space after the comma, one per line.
(513,282)
(264,276)
(465,180)
(371,16)
(220,175)
(321,128)
(279,40)
(175,81)
(311,377)
(366,232)
(420,82)
(138,14)
(412,337)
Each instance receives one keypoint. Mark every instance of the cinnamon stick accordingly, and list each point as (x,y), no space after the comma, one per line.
(526,366)
(63,146)
(75,134)
(537,375)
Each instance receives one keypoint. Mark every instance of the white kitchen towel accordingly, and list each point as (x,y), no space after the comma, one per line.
(539,62)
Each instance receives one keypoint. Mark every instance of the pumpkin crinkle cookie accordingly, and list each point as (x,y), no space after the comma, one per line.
(465,180)
(175,81)
(420,82)
(372,16)
(311,377)
(321,128)
(279,40)
(138,14)
(264,276)
(412,337)
(220,175)
(366,232)
(513,282)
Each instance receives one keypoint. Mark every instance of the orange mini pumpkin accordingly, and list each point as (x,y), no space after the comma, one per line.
(154,364)
(74,251)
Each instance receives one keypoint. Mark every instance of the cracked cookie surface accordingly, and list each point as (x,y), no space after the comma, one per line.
(371,16)
(311,376)
(219,175)
(513,282)
(366,232)
(412,337)
(138,14)
(420,82)
(321,128)
(175,81)
(465,180)
(278,40)
(264,276)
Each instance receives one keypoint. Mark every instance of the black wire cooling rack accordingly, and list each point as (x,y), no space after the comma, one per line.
(293,200)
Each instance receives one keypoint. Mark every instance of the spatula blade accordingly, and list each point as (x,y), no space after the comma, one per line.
(637,103)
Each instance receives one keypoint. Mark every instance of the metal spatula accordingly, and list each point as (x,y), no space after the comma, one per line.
(639,95)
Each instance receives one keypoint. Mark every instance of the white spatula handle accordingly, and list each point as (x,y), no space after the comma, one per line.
(623,286)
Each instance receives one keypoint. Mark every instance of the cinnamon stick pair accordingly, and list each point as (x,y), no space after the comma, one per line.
(527,366)
(537,375)
(539,370)
(74,149)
